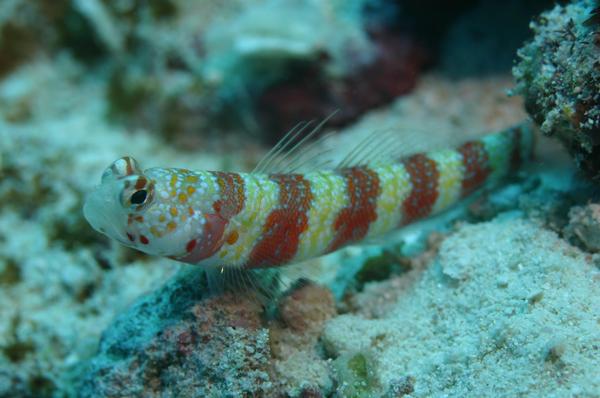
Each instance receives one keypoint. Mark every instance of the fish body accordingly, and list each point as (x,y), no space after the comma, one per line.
(260,220)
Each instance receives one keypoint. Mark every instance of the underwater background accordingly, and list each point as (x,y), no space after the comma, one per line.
(498,297)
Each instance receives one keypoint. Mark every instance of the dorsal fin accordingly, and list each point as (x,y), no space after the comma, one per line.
(374,148)
(294,154)
(289,155)
(390,145)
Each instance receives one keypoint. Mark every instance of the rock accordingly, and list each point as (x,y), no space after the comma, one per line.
(584,226)
(181,340)
(558,73)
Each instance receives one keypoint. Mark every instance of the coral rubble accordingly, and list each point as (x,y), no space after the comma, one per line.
(60,284)
(299,367)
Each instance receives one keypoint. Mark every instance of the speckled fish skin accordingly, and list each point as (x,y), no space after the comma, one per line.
(248,220)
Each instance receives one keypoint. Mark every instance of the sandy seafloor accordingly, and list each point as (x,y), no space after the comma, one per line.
(501,297)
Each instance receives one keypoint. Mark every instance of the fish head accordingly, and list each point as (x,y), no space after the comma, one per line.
(137,209)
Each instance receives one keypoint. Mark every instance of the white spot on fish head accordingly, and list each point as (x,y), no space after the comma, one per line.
(121,167)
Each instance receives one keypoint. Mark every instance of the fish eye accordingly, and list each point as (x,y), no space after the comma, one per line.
(139,197)
(136,192)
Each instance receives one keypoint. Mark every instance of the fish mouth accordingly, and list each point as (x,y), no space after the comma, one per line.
(104,213)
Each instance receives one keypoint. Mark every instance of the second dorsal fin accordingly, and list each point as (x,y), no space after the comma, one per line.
(389,146)
(298,152)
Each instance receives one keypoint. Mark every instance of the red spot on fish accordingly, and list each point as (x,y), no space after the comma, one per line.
(144,240)
(190,245)
(352,223)
(211,241)
(424,177)
(231,202)
(128,165)
(140,182)
(232,237)
(476,163)
(281,233)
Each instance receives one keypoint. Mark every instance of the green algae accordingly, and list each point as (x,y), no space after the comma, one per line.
(356,375)
(380,267)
